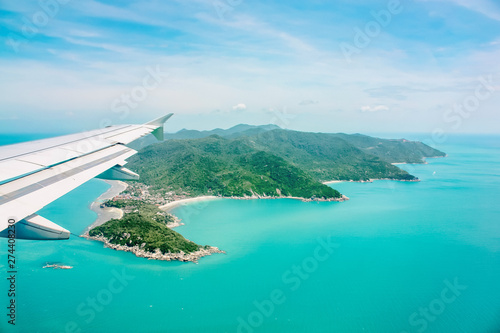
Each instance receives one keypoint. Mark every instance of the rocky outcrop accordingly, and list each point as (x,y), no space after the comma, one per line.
(257,196)
(157,254)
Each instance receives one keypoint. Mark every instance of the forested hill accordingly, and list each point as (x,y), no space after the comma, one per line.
(389,150)
(392,151)
(272,162)
(326,157)
(225,167)
(233,132)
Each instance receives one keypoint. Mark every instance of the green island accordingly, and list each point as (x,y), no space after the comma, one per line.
(144,230)
(242,162)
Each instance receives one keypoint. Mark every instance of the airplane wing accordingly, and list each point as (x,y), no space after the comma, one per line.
(33,174)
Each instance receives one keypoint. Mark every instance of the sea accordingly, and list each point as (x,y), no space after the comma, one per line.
(398,257)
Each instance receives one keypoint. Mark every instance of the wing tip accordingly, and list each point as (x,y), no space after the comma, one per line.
(160,121)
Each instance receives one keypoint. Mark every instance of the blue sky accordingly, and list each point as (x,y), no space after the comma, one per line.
(428,66)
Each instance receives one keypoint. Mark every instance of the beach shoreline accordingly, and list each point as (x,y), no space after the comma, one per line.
(174,204)
(334,181)
(107,213)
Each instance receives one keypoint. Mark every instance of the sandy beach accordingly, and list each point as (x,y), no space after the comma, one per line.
(107,213)
(171,205)
(333,182)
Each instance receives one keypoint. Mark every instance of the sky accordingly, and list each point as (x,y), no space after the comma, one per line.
(353,66)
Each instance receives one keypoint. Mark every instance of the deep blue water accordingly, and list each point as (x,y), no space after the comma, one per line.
(403,257)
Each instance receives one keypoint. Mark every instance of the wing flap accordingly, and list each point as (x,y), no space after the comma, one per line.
(23,148)
(48,157)
(37,227)
(131,135)
(13,168)
(86,146)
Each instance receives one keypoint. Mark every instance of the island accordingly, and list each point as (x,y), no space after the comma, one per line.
(146,231)
(244,162)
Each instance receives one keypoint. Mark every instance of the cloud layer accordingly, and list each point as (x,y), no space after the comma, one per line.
(73,61)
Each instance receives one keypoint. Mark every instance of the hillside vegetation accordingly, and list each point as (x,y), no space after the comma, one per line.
(392,151)
(145,226)
(327,157)
(224,167)
(389,150)
(268,161)
(245,161)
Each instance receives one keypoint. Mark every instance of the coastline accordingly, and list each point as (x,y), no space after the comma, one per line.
(174,204)
(107,213)
(423,160)
(255,196)
(171,205)
(334,181)
(157,255)
(371,180)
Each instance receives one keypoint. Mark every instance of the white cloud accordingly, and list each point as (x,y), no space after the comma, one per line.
(84,33)
(308,102)
(486,7)
(239,107)
(377,108)
(255,26)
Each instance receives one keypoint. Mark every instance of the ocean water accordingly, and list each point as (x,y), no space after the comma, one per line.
(397,257)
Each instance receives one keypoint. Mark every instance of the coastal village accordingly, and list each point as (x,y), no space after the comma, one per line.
(136,191)
(140,191)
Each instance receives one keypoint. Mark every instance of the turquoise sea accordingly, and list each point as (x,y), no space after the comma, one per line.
(397,257)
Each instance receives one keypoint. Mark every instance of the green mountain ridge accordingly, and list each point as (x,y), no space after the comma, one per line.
(389,150)
(225,167)
(327,157)
(233,132)
(270,161)
(392,150)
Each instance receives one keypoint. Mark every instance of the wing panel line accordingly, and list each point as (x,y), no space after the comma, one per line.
(66,143)
(54,179)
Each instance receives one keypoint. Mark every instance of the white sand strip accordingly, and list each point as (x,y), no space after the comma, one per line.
(333,182)
(171,205)
(107,213)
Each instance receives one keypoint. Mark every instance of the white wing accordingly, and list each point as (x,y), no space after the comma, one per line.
(33,174)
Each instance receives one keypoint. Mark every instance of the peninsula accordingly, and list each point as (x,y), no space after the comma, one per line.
(245,162)
(146,231)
